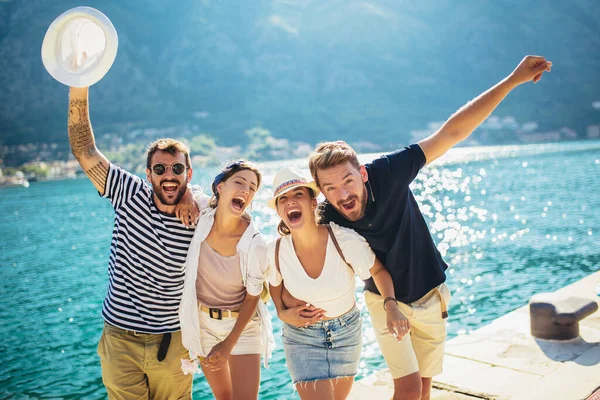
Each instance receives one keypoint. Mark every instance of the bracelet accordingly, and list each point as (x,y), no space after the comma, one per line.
(386,300)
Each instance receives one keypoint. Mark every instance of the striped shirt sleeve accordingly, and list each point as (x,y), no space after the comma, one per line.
(121,186)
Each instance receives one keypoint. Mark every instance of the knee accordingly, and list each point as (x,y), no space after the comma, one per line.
(408,387)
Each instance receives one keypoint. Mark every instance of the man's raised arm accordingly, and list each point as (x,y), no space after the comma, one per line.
(460,125)
(81,138)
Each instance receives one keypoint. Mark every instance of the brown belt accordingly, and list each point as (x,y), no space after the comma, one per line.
(217,313)
(443,303)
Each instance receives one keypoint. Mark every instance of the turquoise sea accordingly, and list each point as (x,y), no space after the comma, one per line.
(510,222)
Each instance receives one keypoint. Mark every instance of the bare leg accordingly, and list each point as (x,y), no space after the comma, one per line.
(408,387)
(342,387)
(426,388)
(245,376)
(220,382)
(316,390)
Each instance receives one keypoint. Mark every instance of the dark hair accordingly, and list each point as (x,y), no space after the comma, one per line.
(283,229)
(170,146)
(227,172)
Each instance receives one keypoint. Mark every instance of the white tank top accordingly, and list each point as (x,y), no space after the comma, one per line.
(333,290)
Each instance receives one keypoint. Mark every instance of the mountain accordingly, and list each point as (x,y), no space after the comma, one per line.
(305,69)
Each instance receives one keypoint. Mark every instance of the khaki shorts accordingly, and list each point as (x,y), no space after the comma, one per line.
(423,349)
(131,370)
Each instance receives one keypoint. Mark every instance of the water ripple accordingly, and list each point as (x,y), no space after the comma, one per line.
(510,222)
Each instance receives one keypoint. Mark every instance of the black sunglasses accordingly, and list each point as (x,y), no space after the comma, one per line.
(177,168)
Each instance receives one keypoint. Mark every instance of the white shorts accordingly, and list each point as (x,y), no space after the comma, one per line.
(213,331)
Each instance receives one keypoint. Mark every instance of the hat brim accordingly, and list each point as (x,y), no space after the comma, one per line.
(311,185)
(98,64)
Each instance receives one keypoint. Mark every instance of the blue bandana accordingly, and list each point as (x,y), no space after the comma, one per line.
(219,177)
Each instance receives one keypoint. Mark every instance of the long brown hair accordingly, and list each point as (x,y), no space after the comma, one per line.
(227,172)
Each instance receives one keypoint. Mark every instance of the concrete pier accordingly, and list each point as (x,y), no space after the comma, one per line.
(503,361)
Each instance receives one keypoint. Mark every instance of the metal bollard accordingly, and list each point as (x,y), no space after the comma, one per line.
(557,318)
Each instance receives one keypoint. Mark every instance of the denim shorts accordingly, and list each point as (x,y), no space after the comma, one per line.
(326,350)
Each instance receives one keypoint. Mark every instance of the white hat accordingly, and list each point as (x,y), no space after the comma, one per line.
(80,47)
(288,179)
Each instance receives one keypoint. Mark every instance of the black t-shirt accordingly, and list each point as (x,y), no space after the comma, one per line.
(394,226)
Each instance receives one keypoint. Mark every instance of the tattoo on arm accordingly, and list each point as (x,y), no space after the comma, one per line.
(98,174)
(80,128)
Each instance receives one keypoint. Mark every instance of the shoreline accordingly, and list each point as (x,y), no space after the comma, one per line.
(454,156)
(7,183)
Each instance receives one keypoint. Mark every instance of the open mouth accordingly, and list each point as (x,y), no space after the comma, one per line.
(294,216)
(238,203)
(170,187)
(349,205)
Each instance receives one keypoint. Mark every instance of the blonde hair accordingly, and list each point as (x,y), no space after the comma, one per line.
(330,154)
(170,146)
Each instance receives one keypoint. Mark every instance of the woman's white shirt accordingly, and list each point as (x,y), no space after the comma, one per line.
(254,267)
(333,290)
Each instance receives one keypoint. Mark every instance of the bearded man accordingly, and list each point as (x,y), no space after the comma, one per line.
(140,348)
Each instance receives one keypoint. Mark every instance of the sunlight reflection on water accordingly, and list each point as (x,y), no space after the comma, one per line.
(509,221)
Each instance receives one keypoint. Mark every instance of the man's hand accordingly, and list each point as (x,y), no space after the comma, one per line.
(187,210)
(290,301)
(397,323)
(460,125)
(530,68)
(307,310)
(295,316)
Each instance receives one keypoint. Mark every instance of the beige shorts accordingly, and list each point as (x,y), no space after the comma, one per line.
(423,349)
(213,331)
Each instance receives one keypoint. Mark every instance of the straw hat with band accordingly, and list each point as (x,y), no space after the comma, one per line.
(288,179)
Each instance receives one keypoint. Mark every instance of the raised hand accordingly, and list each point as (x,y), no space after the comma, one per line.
(81,138)
(530,68)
